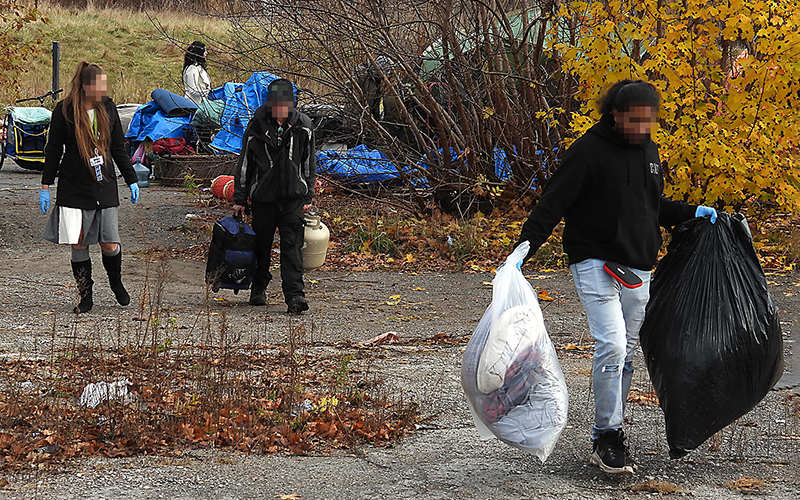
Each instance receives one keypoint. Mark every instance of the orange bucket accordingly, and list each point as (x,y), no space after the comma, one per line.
(227,191)
(218,186)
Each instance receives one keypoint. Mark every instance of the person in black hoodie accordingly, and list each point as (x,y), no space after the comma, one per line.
(85,135)
(277,170)
(609,190)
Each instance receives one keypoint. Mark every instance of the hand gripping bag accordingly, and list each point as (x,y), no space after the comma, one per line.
(510,373)
(711,336)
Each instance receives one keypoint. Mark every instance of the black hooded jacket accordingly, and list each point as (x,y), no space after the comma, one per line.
(273,169)
(610,194)
(77,185)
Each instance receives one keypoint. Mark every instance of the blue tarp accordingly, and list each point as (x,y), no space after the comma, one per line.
(241,102)
(151,121)
(362,165)
(358,165)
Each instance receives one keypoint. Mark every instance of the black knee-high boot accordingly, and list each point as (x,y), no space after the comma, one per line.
(83,277)
(113,265)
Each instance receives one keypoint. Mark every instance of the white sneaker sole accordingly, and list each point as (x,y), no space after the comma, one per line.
(595,460)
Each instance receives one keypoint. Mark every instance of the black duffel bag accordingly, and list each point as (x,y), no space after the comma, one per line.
(711,336)
(231,256)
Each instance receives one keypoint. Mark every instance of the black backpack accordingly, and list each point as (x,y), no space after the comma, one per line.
(232,256)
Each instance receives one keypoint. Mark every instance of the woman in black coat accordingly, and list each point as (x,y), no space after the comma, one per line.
(85,135)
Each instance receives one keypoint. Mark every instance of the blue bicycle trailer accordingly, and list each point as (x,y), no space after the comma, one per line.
(24,132)
(24,136)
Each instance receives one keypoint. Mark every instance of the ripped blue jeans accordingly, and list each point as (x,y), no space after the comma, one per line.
(615,315)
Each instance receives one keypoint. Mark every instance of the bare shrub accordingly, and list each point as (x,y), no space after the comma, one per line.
(444,89)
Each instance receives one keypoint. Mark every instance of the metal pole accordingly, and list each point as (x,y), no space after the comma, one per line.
(56,67)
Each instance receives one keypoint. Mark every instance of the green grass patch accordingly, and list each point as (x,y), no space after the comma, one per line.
(140,51)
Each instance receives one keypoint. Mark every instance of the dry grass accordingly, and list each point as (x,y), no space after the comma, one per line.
(140,50)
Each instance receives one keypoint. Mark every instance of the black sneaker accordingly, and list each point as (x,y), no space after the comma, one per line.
(610,454)
(297,304)
(258,297)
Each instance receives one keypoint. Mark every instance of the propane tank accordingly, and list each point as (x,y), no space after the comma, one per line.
(315,242)
(142,175)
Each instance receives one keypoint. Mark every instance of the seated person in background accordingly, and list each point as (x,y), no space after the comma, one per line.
(196,81)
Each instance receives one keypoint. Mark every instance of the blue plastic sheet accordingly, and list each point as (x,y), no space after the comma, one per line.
(241,102)
(151,121)
(359,165)
(362,165)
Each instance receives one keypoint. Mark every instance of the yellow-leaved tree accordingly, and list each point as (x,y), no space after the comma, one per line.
(729,75)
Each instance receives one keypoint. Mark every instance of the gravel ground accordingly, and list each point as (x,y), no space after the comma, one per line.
(443,459)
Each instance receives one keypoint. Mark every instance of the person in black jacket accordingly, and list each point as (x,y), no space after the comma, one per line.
(277,170)
(609,190)
(85,135)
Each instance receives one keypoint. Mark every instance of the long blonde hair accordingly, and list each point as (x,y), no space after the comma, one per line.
(75,101)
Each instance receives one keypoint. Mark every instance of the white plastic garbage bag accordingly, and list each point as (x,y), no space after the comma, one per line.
(95,393)
(510,372)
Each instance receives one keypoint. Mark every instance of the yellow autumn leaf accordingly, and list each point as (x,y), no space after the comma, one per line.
(545,297)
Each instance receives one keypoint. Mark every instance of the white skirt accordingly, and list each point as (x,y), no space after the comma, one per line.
(73,226)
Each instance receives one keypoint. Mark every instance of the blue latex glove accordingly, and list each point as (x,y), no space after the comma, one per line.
(519,265)
(44,201)
(703,211)
(135,192)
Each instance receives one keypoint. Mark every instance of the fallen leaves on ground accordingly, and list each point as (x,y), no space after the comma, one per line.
(384,338)
(641,398)
(746,485)
(653,486)
(544,296)
(261,399)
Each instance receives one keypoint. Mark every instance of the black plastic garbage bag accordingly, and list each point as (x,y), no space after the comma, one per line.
(711,336)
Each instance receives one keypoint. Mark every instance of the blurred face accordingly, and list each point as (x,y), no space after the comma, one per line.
(280,109)
(97,90)
(636,124)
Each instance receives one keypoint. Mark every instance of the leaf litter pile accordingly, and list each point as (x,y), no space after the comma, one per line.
(258,399)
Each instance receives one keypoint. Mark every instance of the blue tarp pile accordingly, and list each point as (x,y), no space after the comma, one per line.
(359,165)
(241,101)
(151,121)
(362,165)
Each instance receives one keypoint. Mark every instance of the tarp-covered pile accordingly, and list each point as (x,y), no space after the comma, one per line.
(362,165)
(241,101)
(169,115)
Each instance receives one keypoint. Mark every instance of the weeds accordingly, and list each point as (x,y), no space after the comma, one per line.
(204,388)
(192,186)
